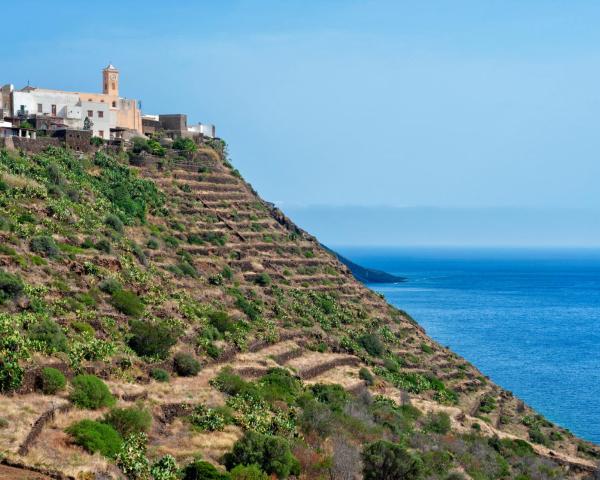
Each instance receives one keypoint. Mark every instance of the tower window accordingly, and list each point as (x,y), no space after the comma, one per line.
(114,104)
(114,86)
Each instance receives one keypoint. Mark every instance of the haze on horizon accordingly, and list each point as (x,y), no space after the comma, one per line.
(464,106)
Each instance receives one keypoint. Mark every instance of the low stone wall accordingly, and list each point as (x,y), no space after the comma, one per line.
(39,424)
(37,145)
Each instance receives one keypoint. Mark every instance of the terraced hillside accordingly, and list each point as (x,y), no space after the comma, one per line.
(210,316)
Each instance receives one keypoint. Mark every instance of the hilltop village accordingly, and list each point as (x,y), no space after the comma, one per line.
(74,118)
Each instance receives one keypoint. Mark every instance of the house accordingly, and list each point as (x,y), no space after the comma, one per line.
(53,109)
(205,129)
(174,125)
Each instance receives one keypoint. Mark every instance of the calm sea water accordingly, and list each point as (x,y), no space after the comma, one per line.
(529,319)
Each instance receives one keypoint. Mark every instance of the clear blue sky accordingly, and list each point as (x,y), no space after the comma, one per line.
(455,104)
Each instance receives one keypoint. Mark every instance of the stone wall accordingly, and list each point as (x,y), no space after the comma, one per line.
(37,145)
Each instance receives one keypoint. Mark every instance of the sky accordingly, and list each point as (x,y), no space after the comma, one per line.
(484,106)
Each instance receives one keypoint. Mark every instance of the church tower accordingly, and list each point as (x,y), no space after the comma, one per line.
(110,80)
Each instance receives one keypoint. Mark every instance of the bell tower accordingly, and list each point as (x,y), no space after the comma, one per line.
(110,81)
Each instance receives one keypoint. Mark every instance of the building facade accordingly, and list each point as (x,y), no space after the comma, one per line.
(102,113)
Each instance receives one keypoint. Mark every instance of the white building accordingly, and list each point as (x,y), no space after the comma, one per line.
(99,112)
(205,129)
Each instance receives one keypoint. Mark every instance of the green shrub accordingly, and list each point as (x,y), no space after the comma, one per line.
(114,222)
(11,286)
(159,375)
(91,392)
(279,385)
(171,242)
(130,420)
(52,380)
(438,423)
(96,141)
(156,148)
(537,436)
(4,423)
(334,396)
(248,472)
(153,244)
(104,245)
(96,437)
(109,285)
(84,328)
(316,417)
(187,269)
(228,382)
(366,375)
(391,365)
(372,344)
(426,348)
(212,350)
(263,279)
(227,273)
(49,334)
(487,404)
(221,321)
(152,338)
(139,254)
(185,365)
(272,454)
(201,470)
(384,460)
(127,302)
(44,245)
(185,144)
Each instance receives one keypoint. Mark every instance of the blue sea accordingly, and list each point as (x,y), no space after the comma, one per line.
(527,318)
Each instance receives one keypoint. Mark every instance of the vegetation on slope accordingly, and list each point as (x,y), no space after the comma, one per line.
(152,279)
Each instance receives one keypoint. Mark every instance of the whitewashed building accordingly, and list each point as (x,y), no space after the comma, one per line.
(100,112)
(206,129)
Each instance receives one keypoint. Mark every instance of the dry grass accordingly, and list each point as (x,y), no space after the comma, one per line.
(185,444)
(21,416)
(20,182)
(346,376)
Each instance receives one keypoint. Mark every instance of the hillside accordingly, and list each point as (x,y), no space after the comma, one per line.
(208,315)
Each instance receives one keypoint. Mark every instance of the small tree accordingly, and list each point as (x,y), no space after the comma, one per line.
(271,453)
(152,338)
(383,460)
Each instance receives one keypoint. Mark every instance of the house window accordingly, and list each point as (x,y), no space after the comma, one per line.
(54,110)
(100,114)
(101,133)
(39,108)
(90,113)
